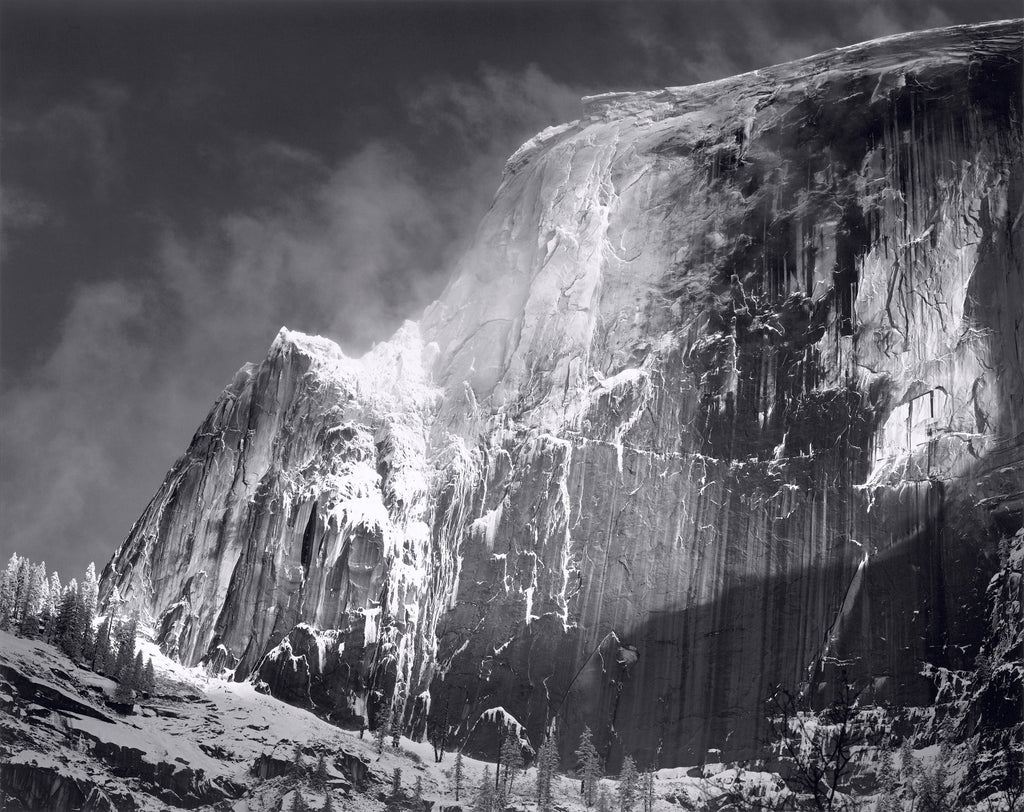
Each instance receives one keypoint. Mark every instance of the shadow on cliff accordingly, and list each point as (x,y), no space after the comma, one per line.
(696,678)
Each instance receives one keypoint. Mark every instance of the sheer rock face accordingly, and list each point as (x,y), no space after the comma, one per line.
(727,391)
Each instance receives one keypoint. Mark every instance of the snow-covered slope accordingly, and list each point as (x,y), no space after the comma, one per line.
(204,743)
(192,744)
(727,391)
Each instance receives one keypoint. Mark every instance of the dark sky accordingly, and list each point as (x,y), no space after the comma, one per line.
(180,179)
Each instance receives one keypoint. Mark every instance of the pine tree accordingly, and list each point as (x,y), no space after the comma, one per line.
(458,775)
(81,628)
(7,592)
(888,785)
(87,595)
(629,785)
(320,773)
(908,763)
(65,606)
(102,654)
(383,723)
(511,763)
(298,764)
(45,610)
(32,600)
(71,622)
(484,800)
(396,728)
(328,804)
(396,782)
(53,598)
(112,656)
(299,803)
(149,677)
(501,799)
(604,801)
(138,672)
(417,791)
(547,762)
(934,790)
(124,694)
(126,634)
(647,790)
(21,578)
(90,591)
(589,767)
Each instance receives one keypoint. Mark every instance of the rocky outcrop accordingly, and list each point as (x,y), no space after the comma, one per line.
(35,787)
(173,781)
(728,391)
(59,708)
(44,695)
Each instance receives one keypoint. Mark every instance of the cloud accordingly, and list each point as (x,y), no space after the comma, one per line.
(81,136)
(66,434)
(21,211)
(687,43)
(483,114)
(347,249)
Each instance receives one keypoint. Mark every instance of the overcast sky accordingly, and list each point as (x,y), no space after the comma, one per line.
(180,179)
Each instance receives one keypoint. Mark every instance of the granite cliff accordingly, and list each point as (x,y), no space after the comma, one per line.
(728,392)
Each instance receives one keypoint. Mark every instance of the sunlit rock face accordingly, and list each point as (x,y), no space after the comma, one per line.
(727,393)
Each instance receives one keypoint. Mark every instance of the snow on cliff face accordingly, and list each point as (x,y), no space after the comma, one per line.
(729,389)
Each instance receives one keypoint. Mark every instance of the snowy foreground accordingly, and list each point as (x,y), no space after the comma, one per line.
(200,742)
(199,737)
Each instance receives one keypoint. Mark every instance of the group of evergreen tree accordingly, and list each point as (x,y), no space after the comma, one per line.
(547,766)
(318,779)
(925,788)
(494,793)
(36,605)
(634,787)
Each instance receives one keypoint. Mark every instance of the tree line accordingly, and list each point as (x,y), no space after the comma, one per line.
(496,793)
(35,604)
(504,787)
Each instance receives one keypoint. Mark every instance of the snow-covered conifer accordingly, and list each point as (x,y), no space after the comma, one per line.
(299,803)
(7,581)
(547,762)
(138,672)
(149,677)
(383,724)
(71,621)
(458,775)
(888,785)
(647,790)
(32,600)
(396,782)
(21,578)
(125,659)
(484,800)
(396,727)
(124,694)
(588,767)
(629,785)
(320,773)
(90,590)
(102,653)
(511,762)
(54,593)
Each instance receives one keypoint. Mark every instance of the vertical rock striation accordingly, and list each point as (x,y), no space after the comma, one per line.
(728,392)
